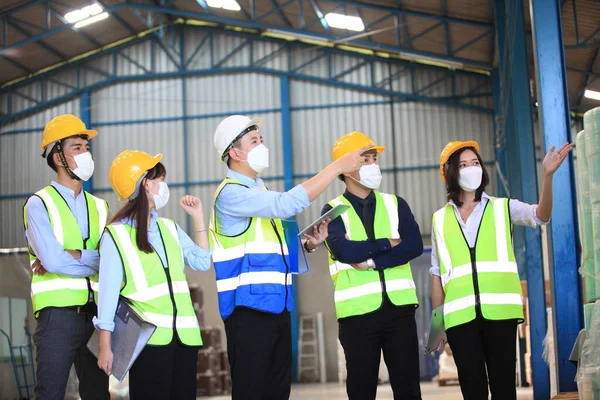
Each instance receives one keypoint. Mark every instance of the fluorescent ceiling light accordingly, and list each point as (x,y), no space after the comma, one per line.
(91,20)
(230,5)
(342,21)
(592,94)
(83,13)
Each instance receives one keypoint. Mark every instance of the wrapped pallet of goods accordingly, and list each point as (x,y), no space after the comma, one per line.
(591,123)
(584,207)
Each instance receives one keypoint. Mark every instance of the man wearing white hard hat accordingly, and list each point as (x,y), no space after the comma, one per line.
(252,264)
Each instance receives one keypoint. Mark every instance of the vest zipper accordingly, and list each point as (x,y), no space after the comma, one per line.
(287,267)
(169,283)
(472,254)
(384,294)
(475,281)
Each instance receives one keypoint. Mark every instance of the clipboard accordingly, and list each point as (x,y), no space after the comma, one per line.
(437,332)
(130,336)
(332,214)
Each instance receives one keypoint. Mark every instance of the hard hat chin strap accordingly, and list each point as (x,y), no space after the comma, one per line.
(63,161)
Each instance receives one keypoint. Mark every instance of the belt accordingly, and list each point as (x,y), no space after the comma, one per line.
(89,308)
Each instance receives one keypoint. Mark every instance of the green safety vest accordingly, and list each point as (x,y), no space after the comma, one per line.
(359,292)
(161,294)
(486,276)
(54,290)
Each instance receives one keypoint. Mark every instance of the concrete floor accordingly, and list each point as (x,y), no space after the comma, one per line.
(334,391)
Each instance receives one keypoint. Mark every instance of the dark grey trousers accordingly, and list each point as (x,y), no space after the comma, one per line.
(60,339)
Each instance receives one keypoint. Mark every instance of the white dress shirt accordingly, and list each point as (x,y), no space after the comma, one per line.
(520,214)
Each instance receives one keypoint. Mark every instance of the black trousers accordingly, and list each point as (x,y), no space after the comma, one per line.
(482,345)
(164,372)
(60,339)
(259,346)
(392,329)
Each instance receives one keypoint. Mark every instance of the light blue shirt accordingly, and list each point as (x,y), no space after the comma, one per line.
(111,267)
(237,204)
(41,239)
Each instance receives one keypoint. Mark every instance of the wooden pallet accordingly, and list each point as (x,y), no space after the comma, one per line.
(448,381)
(567,396)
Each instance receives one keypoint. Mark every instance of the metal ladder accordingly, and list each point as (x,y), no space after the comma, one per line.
(308,349)
(21,357)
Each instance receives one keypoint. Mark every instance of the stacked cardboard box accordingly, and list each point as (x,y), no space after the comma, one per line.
(197,295)
(212,376)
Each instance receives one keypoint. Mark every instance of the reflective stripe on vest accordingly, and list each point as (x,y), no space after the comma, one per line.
(149,285)
(359,292)
(53,290)
(498,280)
(253,269)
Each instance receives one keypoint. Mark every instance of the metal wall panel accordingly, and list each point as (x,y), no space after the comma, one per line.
(137,100)
(320,67)
(23,170)
(315,131)
(22,98)
(40,119)
(223,46)
(12,233)
(422,131)
(98,70)
(154,138)
(135,60)
(61,85)
(260,51)
(350,69)
(197,49)
(162,62)
(220,94)
(305,94)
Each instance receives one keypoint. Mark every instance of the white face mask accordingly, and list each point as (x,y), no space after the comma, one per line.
(470,178)
(370,176)
(162,198)
(85,166)
(258,158)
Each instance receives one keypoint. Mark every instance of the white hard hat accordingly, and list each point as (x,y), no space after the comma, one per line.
(231,129)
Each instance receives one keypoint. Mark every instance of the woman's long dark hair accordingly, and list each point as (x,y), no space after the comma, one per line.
(453,189)
(137,209)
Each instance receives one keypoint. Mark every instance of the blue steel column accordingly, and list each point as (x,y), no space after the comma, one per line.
(529,194)
(186,167)
(86,116)
(522,175)
(555,124)
(288,182)
(499,134)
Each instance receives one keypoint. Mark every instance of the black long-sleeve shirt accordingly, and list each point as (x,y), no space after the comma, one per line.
(380,250)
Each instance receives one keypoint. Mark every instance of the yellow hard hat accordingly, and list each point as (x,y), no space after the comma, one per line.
(127,169)
(452,148)
(62,127)
(351,142)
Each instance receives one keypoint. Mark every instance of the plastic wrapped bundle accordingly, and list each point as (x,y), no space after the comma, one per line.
(586,232)
(591,121)
(589,311)
(588,372)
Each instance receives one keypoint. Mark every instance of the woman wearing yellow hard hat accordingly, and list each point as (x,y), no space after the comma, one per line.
(142,259)
(474,272)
